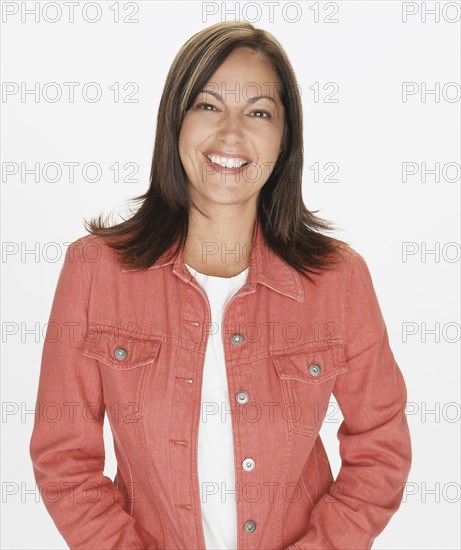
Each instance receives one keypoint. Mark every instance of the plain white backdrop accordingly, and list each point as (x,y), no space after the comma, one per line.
(380,83)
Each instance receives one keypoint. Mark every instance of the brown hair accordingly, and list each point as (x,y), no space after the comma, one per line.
(289,229)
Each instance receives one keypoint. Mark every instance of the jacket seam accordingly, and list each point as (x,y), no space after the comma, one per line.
(141,438)
(115,433)
(351,268)
(281,510)
(83,272)
(307,492)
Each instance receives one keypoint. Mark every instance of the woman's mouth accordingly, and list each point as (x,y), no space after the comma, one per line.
(226,165)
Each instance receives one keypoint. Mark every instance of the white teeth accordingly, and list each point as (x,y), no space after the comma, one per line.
(227,162)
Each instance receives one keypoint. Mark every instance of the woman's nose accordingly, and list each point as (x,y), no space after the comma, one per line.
(231,129)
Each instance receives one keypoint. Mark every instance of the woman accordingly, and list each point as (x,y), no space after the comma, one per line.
(212,328)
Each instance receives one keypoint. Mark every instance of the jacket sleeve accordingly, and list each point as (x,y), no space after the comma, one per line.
(67,446)
(374,439)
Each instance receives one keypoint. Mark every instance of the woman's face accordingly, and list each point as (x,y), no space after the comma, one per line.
(229,123)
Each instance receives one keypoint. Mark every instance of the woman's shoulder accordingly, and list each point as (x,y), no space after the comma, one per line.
(93,250)
(353,266)
(345,255)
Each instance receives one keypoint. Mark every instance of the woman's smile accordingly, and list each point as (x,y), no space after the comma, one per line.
(226,165)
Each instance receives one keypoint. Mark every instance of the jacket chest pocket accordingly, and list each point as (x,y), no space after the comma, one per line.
(307,378)
(125,362)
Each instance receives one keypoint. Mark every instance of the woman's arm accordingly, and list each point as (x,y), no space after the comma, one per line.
(375,444)
(67,447)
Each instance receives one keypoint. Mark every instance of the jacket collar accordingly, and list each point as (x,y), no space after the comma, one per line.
(265,267)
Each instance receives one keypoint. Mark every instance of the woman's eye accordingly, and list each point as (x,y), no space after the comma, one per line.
(264,114)
(204,106)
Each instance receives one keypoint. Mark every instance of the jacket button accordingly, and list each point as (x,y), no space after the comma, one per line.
(120,354)
(242,397)
(237,339)
(249,526)
(315,369)
(248,464)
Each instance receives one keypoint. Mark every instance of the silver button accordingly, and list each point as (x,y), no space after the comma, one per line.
(120,354)
(249,526)
(242,397)
(247,285)
(237,339)
(315,369)
(248,464)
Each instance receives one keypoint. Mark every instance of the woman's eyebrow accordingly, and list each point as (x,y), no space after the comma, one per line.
(250,100)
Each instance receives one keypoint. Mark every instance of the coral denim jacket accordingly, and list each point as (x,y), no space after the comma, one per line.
(130,345)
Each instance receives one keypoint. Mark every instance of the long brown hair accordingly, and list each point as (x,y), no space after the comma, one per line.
(289,229)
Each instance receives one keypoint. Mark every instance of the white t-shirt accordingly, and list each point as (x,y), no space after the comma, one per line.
(215,439)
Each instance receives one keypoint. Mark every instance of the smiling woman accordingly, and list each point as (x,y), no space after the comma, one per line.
(213,340)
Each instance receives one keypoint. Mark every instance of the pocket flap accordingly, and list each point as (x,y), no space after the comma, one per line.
(119,349)
(312,365)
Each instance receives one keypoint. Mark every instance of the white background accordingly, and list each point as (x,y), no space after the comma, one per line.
(369,53)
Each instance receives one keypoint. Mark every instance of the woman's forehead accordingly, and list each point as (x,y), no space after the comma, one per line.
(244,77)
